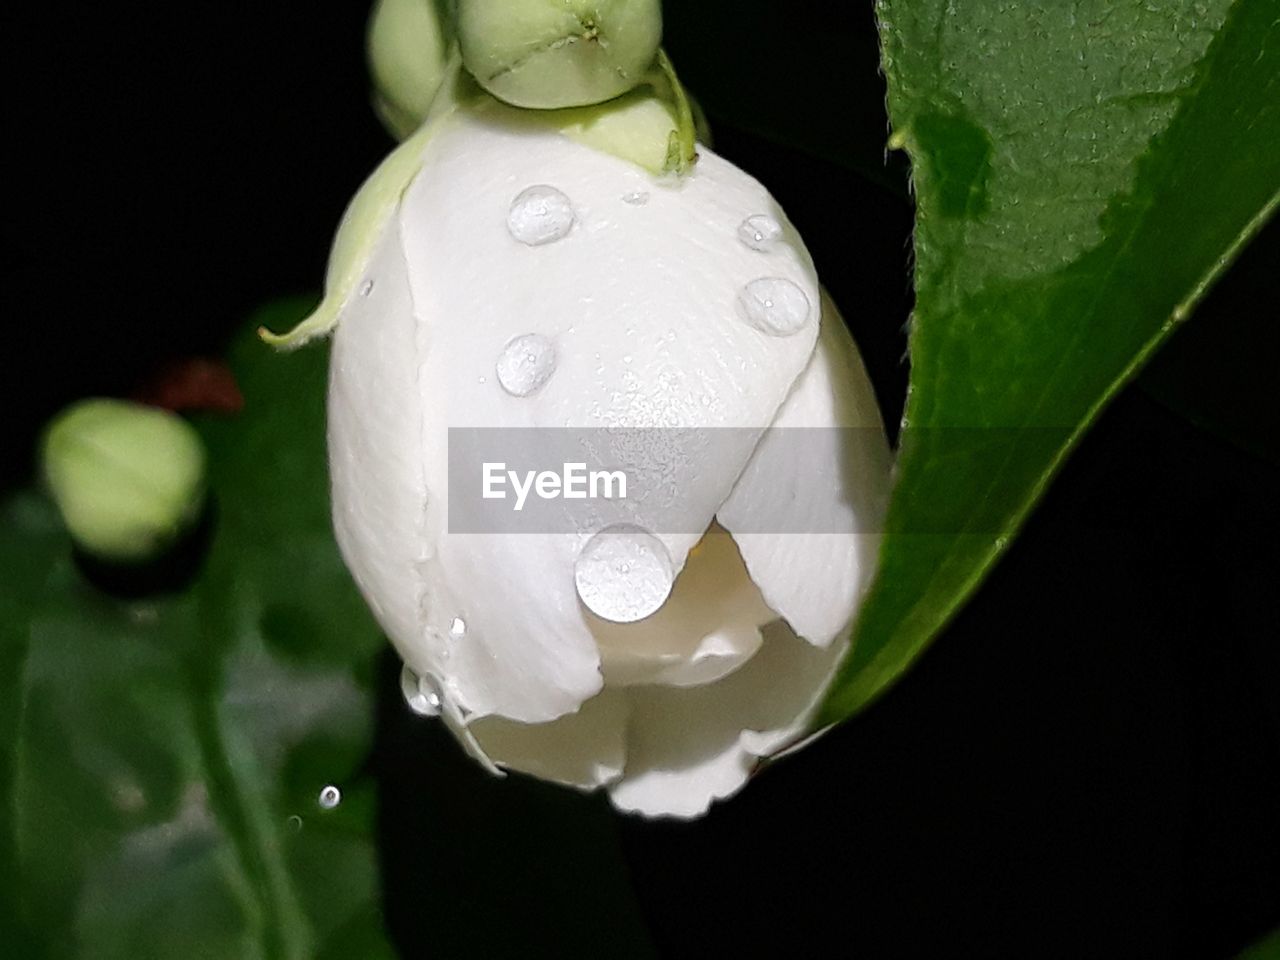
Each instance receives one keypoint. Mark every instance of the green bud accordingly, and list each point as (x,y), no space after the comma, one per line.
(558,53)
(408,49)
(127,478)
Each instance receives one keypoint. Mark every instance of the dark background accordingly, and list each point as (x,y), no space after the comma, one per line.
(1087,763)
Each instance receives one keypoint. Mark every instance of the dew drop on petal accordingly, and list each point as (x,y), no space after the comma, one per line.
(540,214)
(458,628)
(623,573)
(774,306)
(760,232)
(366,288)
(330,797)
(637,198)
(526,363)
(421,698)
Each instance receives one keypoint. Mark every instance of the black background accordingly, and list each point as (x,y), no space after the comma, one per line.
(1087,763)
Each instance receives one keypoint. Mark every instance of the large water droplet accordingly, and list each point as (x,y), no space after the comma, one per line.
(760,232)
(526,363)
(623,573)
(774,306)
(540,214)
(418,694)
(330,797)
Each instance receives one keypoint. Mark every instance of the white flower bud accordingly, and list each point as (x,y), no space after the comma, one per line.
(532,53)
(522,279)
(127,478)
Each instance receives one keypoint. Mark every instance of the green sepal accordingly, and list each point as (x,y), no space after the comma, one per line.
(373,205)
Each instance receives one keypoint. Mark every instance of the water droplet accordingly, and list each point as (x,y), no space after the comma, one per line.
(458,629)
(366,288)
(1001,542)
(760,232)
(540,214)
(526,363)
(295,822)
(774,306)
(623,573)
(330,797)
(637,198)
(420,695)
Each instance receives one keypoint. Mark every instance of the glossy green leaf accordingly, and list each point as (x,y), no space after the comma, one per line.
(1083,173)
(168,753)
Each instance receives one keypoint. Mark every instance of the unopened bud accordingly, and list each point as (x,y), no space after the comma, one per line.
(127,478)
(569,53)
(408,52)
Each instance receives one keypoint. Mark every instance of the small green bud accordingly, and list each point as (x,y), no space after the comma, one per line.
(127,478)
(408,49)
(558,53)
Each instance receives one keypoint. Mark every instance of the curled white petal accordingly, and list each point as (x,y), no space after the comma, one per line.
(808,510)
(689,747)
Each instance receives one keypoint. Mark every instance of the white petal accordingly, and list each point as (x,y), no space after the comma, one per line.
(375,461)
(526,653)
(518,656)
(641,304)
(801,483)
(688,747)
(583,749)
(709,626)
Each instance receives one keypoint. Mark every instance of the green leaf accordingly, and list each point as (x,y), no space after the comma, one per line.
(1083,173)
(169,752)
(1268,948)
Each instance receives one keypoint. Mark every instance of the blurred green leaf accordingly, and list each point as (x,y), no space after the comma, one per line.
(1083,173)
(166,756)
(1268,948)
